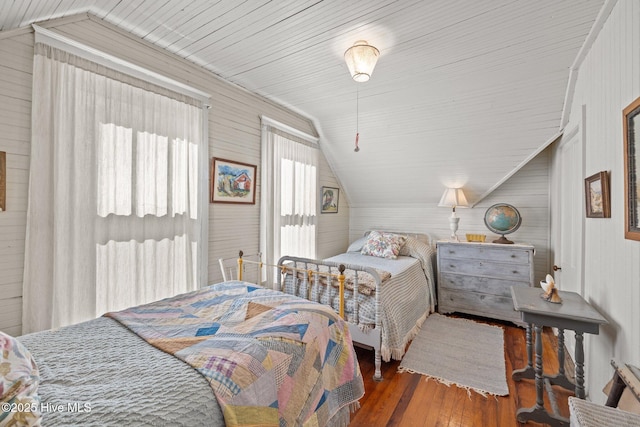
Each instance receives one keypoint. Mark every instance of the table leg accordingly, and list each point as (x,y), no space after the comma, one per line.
(579,365)
(561,352)
(539,371)
(560,378)
(527,372)
(537,413)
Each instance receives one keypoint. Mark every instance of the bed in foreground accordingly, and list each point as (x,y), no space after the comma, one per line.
(232,353)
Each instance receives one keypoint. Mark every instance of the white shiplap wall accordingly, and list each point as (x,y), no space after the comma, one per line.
(608,80)
(234,133)
(527,190)
(16,62)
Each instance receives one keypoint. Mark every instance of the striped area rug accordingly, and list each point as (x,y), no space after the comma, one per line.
(461,352)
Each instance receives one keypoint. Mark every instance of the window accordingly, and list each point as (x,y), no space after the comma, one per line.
(116,215)
(298,207)
(289,195)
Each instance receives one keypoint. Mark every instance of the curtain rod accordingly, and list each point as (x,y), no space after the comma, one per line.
(266,121)
(79,49)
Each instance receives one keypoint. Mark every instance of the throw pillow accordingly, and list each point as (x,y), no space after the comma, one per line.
(383,245)
(19,378)
(356,245)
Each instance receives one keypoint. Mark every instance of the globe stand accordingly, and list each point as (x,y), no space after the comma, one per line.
(503,240)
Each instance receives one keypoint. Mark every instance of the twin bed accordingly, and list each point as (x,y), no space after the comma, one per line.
(231,353)
(394,273)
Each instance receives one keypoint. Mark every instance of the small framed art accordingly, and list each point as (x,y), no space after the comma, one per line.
(3,181)
(631,134)
(597,197)
(330,198)
(232,182)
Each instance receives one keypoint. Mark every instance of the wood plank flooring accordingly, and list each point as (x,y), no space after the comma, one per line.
(409,400)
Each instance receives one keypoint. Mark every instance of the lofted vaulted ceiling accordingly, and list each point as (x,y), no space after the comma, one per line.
(463,94)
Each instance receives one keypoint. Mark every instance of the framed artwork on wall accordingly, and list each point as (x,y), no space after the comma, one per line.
(330,198)
(232,182)
(3,181)
(597,196)
(631,135)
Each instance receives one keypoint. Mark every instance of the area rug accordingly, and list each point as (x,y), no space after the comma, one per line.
(461,352)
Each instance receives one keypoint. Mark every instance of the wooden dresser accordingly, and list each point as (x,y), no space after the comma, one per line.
(476,278)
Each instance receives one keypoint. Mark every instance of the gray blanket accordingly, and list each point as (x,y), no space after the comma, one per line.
(103,375)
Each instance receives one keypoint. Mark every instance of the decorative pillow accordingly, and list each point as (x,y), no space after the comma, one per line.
(19,378)
(356,245)
(383,245)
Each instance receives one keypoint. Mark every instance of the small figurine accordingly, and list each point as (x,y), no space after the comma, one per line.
(550,291)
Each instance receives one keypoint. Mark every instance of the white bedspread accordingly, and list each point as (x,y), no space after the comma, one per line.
(407,298)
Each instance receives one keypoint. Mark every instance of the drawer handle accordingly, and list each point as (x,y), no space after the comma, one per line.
(513,255)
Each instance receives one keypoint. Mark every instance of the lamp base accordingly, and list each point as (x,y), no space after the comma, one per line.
(503,240)
(453,226)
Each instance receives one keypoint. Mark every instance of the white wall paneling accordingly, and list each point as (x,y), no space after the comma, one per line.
(608,80)
(527,190)
(16,59)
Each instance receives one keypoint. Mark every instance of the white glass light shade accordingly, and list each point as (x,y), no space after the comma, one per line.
(361,59)
(453,197)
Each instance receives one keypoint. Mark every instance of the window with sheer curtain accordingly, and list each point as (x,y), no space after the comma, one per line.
(115,210)
(288,195)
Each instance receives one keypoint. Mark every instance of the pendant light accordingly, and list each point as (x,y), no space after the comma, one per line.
(361,59)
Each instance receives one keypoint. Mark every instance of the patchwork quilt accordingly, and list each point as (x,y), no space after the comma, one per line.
(270,358)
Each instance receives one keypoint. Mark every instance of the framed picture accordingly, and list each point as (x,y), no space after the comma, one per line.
(3,181)
(330,198)
(232,182)
(631,133)
(598,199)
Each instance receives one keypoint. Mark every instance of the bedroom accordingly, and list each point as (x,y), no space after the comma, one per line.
(605,83)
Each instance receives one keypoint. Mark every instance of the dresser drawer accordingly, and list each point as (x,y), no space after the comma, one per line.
(476,278)
(485,285)
(505,254)
(485,268)
(493,306)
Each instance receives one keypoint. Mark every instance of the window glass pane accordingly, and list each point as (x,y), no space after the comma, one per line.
(305,189)
(299,240)
(180,177)
(114,169)
(193,181)
(286,187)
(152,171)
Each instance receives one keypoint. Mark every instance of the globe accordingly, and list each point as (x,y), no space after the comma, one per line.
(502,219)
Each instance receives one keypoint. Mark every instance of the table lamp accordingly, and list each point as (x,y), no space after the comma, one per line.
(452,198)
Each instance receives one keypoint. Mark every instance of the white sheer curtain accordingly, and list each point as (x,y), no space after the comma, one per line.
(288,213)
(118,173)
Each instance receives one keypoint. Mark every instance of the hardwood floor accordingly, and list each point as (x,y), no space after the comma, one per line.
(410,400)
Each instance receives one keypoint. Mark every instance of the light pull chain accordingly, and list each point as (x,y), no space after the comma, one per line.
(357,120)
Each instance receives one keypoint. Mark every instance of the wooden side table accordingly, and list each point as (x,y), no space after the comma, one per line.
(574,314)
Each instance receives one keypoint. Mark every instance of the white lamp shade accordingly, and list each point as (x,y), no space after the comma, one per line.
(453,197)
(361,59)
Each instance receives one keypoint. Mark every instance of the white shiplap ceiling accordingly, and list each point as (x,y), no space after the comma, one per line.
(464,91)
